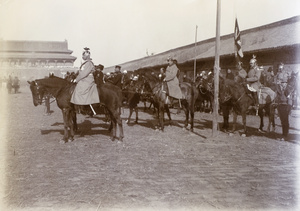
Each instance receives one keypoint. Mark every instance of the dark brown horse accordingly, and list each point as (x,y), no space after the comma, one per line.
(62,90)
(205,89)
(241,101)
(160,99)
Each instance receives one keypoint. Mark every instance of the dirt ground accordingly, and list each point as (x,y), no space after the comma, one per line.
(151,170)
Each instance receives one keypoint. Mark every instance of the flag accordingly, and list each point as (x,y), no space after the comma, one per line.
(237,40)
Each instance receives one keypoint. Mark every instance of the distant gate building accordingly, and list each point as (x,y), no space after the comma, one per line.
(35,54)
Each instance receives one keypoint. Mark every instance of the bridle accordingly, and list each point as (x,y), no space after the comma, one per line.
(38,94)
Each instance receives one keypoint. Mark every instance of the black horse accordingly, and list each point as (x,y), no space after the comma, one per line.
(206,92)
(235,95)
(160,98)
(62,90)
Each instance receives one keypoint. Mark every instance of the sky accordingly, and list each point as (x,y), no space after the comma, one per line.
(118,31)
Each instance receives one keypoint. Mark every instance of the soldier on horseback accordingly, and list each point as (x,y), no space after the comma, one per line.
(116,79)
(85,92)
(172,71)
(282,75)
(253,79)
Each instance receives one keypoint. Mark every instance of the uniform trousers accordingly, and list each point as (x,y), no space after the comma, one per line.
(284,111)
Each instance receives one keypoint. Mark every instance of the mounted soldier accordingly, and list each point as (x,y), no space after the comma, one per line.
(172,71)
(253,79)
(85,92)
(282,75)
(241,74)
(116,79)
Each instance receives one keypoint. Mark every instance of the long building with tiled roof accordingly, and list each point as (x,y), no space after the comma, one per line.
(272,43)
(15,53)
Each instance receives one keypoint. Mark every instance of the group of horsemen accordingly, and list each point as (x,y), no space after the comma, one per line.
(86,93)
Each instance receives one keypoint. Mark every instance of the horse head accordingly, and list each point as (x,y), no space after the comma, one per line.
(37,92)
(226,90)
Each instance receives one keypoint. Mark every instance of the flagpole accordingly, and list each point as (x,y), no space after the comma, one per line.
(195,59)
(216,72)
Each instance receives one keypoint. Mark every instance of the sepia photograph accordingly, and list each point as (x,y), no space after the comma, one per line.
(155,105)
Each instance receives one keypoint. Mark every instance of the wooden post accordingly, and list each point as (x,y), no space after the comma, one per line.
(195,53)
(216,72)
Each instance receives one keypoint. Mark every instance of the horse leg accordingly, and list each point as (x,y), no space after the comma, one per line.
(192,112)
(113,125)
(271,118)
(234,118)
(74,117)
(161,116)
(225,111)
(66,124)
(120,125)
(71,125)
(187,114)
(261,115)
(168,112)
(129,117)
(136,114)
(244,123)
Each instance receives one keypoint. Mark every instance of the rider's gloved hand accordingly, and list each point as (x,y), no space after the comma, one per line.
(73,80)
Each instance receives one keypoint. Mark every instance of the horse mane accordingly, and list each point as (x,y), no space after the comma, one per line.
(53,81)
(151,77)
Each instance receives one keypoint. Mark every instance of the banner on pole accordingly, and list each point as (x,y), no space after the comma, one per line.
(237,40)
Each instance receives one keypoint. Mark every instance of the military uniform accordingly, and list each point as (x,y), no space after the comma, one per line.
(85,92)
(283,108)
(253,78)
(173,82)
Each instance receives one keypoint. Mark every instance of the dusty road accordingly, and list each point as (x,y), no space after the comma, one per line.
(152,170)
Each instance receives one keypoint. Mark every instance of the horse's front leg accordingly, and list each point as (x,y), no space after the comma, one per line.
(168,111)
(187,114)
(261,116)
(71,124)
(66,124)
(225,110)
(74,117)
(161,117)
(244,123)
(234,118)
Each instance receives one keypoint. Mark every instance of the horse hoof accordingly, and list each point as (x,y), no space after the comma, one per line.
(230,134)
(70,140)
(113,138)
(243,135)
(63,141)
(127,122)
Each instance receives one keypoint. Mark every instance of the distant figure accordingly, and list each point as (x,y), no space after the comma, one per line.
(16,84)
(9,84)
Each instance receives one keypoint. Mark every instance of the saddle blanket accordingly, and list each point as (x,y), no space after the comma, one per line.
(266,95)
